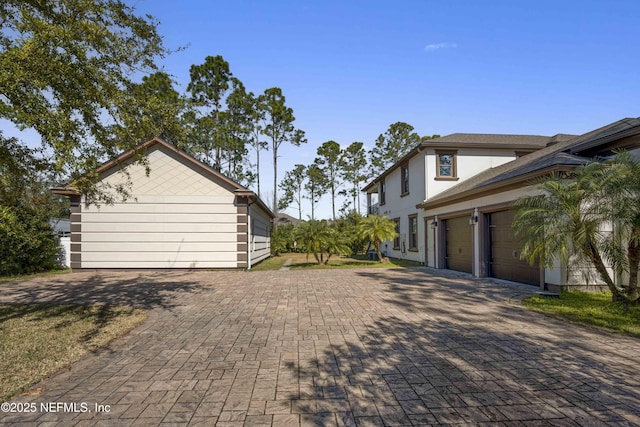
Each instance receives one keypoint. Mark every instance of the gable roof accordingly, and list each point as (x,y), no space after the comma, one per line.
(475,140)
(560,155)
(233,186)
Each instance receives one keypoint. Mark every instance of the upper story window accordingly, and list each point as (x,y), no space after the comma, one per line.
(446,167)
(404,180)
(383,195)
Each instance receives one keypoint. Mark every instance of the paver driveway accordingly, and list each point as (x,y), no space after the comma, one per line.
(335,347)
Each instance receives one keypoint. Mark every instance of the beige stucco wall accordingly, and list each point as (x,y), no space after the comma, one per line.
(177,218)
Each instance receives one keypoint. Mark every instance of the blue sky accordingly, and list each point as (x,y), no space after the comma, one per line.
(351,68)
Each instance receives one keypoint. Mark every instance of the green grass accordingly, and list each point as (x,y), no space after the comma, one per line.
(593,309)
(38,340)
(299,261)
(31,276)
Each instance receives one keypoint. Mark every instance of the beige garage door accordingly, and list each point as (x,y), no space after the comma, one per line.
(459,244)
(505,262)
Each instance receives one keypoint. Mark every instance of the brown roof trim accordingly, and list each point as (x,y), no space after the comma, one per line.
(255,199)
(498,187)
(491,145)
(237,188)
(127,155)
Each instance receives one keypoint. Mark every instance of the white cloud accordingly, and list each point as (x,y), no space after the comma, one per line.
(436,46)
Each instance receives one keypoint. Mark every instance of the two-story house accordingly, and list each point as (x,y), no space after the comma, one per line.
(468,226)
(431,168)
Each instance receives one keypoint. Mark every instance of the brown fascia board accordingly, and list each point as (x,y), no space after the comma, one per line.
(402,161)
(588,145)
(175,150)
(498,187)
(144,146)
(254,197)
(490,145)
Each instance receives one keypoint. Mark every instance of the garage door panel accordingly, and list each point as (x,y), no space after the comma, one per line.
(459,245)
(505,262)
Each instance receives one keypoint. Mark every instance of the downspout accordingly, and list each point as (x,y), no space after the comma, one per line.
(436,246)
(476,243)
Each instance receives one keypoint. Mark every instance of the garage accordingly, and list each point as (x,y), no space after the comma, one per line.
(459,244)
(180,214)
(504,258)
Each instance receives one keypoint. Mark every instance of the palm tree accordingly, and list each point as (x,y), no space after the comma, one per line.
(574,216)
(377,229)
(313,235)
(336,244)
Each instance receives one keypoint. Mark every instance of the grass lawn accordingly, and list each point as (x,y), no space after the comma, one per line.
(37,340)
(300,261)
(590,309)
(31,276)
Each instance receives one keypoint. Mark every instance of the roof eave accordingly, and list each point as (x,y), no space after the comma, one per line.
(253,196)
(498,187)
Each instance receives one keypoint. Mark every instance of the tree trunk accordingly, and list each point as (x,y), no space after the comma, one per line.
(258,167)
(595,257)
(333,200)
(633,252)
(313,206)
(275,183)
(355,194)
(377,246)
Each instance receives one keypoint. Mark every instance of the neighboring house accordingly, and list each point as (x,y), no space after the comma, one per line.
(182,214)
(433,167)
(285,219)
(468,226)
(62,230)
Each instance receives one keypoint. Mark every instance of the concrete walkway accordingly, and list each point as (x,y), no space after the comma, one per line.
(334,347)
(286,265)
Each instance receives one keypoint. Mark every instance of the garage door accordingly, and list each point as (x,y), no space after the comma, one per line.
(504,261)
(459,238)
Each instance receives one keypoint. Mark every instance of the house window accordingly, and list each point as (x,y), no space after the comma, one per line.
(413,232)
(382,192)
(396,240)
(404,180)
(446,165)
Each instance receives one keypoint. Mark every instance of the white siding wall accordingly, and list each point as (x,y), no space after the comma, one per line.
(398,206)
(178,218)
(260,234)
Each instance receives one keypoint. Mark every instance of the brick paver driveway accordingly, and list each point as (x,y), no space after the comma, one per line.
(339,347)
